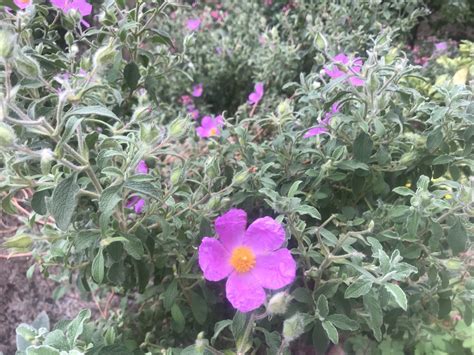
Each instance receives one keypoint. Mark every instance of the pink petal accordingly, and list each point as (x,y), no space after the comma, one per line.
(139,206)
(202,132)
(333,72)
(244,292)
(219,120)
(132,201)
(193,24)
(141,168)
(22,4)
(82,6)
(230,227)
(207,122)
(275,270)
(264,235)
(259,89)
(341,58)
(197,90)
(253,98)
(315,131)
(214,259)
(356,81)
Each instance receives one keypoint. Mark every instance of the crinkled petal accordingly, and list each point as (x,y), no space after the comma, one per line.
(264,235)
(82,6)
(333,71)
(244,292)
(214,259)
(275,270)
(202,132)
(253,98)
(230,227)
(22,4)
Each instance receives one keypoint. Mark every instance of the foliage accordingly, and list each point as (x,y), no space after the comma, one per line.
(376,212)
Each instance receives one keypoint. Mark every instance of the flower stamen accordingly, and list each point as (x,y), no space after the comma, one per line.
(242,259)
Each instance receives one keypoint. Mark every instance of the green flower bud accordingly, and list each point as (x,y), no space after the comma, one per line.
(22,241)
(27,66)
(211,167)
(284,108)
(7,44)
(69,38)
(240,177)
(201,343)
(213,202)
(178,127)
(278,304)
(141,112)
(105,55)
(7,135)
(176,176)
(320,41)
(293,327)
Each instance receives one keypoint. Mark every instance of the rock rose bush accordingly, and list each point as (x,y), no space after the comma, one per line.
(275,177)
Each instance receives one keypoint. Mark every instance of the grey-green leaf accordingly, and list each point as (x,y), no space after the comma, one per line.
(358,288)
(398,295)
(322,306)
(92,110)
(63,201)
(457,238)
(98,267)
(343,322)
(331,331)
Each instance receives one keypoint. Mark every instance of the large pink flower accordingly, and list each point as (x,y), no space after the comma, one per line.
(354,66)
(252,259)
(82,6)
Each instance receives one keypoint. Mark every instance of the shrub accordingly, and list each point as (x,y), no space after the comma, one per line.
(366,174)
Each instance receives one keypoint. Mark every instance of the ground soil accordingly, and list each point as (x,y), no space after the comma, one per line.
(22,299)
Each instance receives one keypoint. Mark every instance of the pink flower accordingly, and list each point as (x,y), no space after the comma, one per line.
(194,112)
(193,24)
(82,6)
(441,46)
(256,96)
(252,259)
(197,90)
(322,127)
(215,15)
(22,4)
(210,127)
(136,202)
(354,67)
(186,100)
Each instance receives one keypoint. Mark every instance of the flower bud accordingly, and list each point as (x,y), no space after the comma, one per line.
(27,66)
(105,55)
(240,177)
(47,158)
(201,343)
(176,176)
(69,38)
(278,304)
(320,41)
(178,127)
(141,112)
(211,167)
(7,135)
(293,327)
(284,108)
(7,44)
(22,241)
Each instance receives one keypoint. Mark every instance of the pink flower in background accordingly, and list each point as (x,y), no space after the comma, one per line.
(136,202)
(256,96)
(210,127)
(441,46)
(82,6)
(186,100)
(355,67)
(268,2)
(322,127)
(197,90)
(193,24)
(251,258)
(194,112)
(22,4)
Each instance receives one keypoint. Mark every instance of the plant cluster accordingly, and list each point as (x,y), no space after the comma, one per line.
(290,147)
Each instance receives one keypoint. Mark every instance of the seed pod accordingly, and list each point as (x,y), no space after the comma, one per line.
(293,327)
(22,241)
(178,127)
(105,55)
(278,304)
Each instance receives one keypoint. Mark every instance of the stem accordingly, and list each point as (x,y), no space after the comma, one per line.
(248,328)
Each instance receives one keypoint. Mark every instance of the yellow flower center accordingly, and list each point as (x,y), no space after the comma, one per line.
(25,1)
(213,131)
(242,259)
